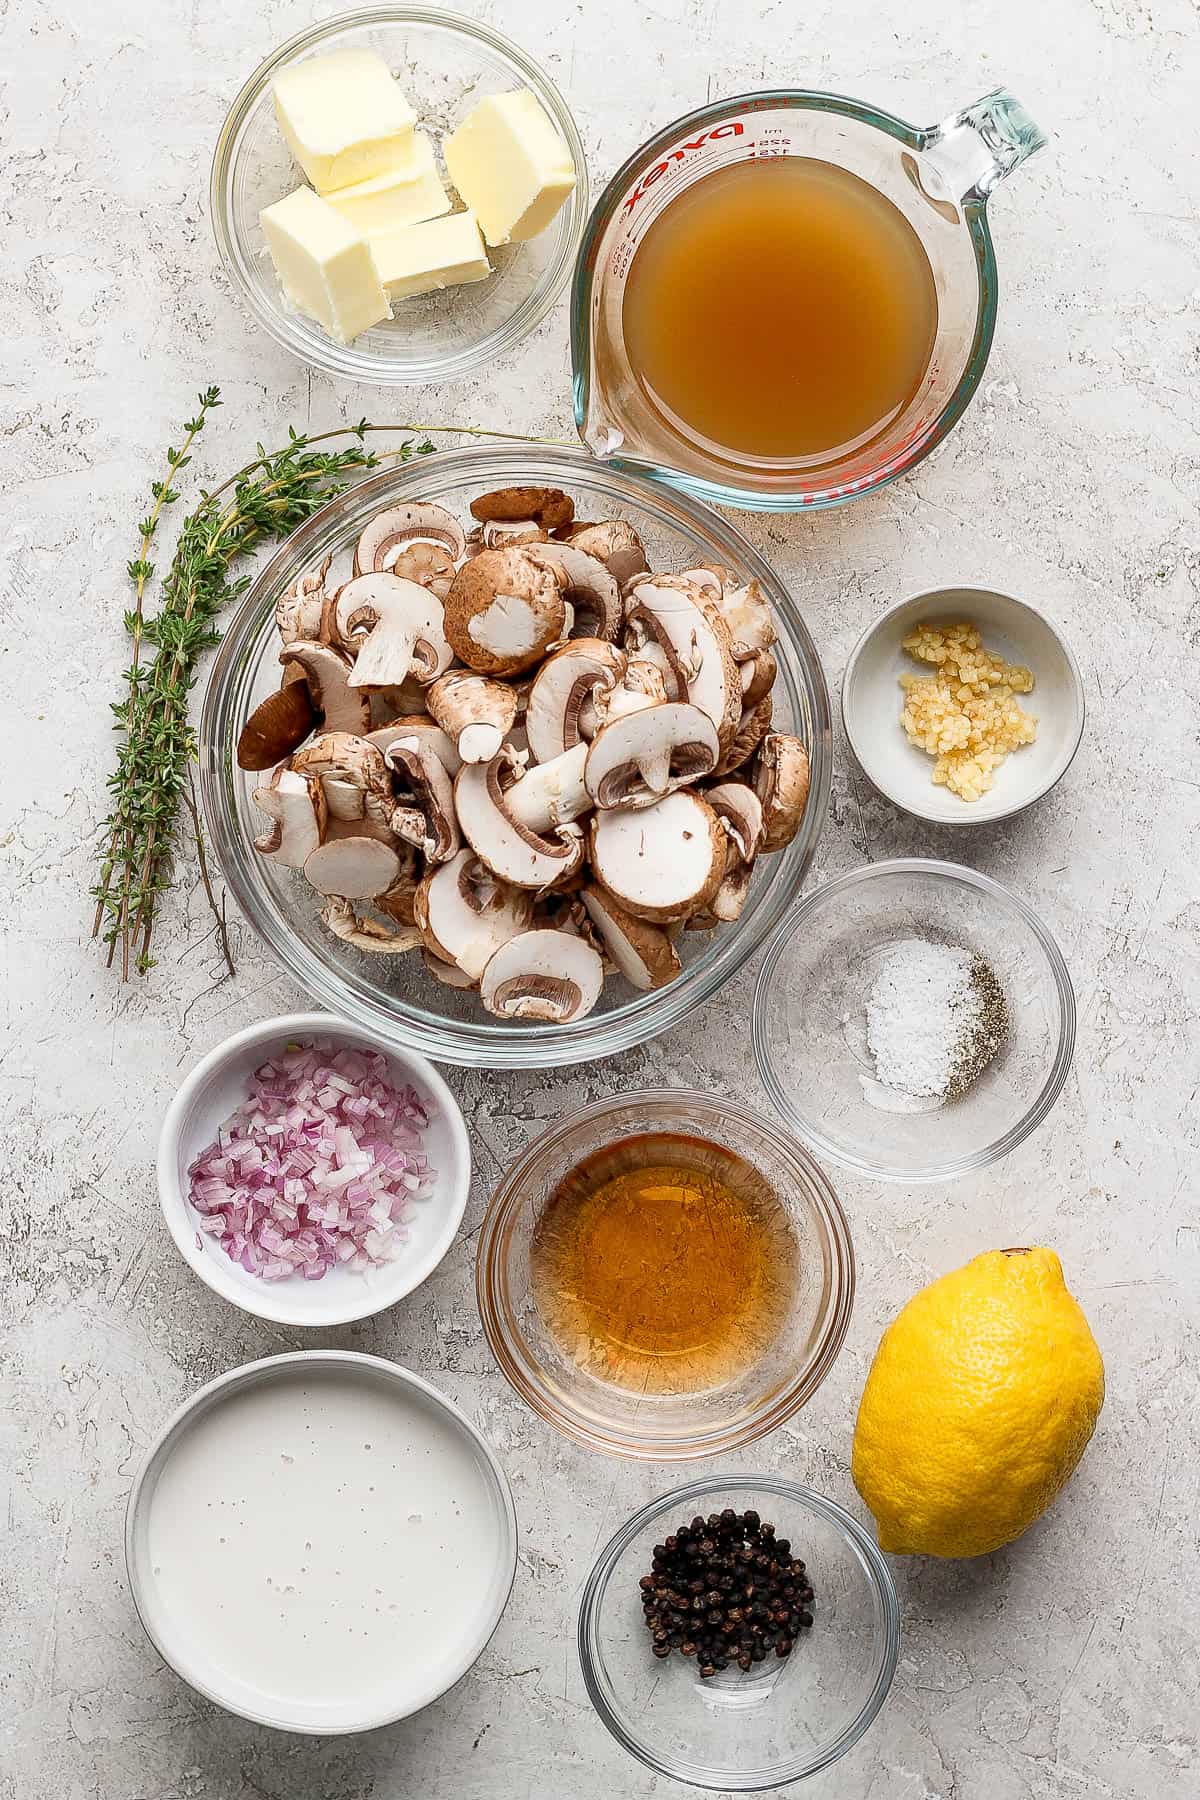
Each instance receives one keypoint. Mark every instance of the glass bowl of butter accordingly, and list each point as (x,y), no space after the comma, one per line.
(398,194)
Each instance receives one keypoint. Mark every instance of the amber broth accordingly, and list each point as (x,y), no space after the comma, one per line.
(781,308)
(664,1264)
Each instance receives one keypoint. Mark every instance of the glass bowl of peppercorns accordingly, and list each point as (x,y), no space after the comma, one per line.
(740,1633)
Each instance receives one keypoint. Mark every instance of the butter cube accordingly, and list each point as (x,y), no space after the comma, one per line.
(404,195)
(344,117)
(510,165)
(440,253)
(325,266)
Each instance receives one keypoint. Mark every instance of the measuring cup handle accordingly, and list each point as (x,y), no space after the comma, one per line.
(976,148)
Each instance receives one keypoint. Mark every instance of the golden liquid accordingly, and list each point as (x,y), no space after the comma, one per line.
(663,1264)
(780,308)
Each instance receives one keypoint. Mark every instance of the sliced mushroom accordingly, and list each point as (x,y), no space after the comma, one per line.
(740,810)
(367,934)
(498,533)
(429,565)
(661,863)
(781,781)
(474,711)
(614,542)
(345,799)
(352,759)
(419,728)
(589,587)
(327,675)
(758,674)
(643,684)
(562,690)
(752,729)
(688,626)
(398,901)
(352,868)
(635,760)
(465,915)
(449,974)
(549,508)
(641,952)
(743,606)
(425,814)
(551,793)
(553,976)
(527,858)
(277,726)
(393,627)
(505,612)
(295,804)
(389,532)
(298,609)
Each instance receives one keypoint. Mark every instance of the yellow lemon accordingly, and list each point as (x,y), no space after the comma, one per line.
(981,1399)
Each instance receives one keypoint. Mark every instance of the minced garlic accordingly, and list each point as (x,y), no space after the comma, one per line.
(967,715)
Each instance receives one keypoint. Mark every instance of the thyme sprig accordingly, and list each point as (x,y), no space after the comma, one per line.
(264,500)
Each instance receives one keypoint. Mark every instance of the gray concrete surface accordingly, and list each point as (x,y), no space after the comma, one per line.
(1061,1669)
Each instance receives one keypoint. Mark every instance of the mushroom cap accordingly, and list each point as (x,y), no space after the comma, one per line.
(641,952)
(752,729)
(423,783)
(429,565)
(758,673)
(743,606)
(393,628)
(505,612)
(419,728)
(588,585)
(277,726)
(476,711)
(553,976)
(638,757)
(740,809)
(298,609)
(549,507)
(663,862)
(384,536)
(296,806)
(352,868)
(690,629)
(561,689)
(464,914)
(781,777)
(615,542)
(327,675)
(510,849)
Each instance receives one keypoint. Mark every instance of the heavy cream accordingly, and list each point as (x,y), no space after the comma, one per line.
(323,1548)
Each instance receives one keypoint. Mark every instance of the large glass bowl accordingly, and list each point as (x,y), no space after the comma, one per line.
(445,63)
(780,1721)
(394,997)
(659,1427)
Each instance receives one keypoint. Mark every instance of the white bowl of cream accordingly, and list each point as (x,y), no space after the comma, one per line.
(320,1542)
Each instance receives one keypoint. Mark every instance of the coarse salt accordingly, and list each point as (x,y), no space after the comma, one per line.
(923,1004)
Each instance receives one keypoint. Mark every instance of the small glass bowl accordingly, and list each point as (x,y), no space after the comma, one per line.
(783,1719)
(809,1020)
(445,63)
(394,998)
(664,1427)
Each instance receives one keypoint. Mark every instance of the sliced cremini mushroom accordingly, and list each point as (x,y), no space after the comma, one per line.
(419,728)
(781,782)
(497,534)
(424,814)
(634,760)
(614,542)
(352,868)
(464,914)
(505,612)
(327,676)
(641,952)
(367,934)
(588,586)
(740,811)
(551,793)
(563,689)
(429,565)
(277,726)
(642,685)
(345,799)
(353,759)
(548,507)
(449,974)
(661,863)
(752,729)
(393,628)
(392,530)
(298,609)
(513,851)
(553,976)
(743,605)
(474,711)
(295,805)
(686,623)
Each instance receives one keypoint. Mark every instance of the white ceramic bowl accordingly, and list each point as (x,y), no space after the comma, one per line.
(188,1646)
(871,704)
(215,1089)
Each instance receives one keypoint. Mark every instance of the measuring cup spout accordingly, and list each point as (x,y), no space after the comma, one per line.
(976,148)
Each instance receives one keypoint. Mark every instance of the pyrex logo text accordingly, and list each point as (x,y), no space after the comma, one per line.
(734,129)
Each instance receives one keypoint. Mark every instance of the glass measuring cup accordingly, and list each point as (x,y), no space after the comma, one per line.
(940,178)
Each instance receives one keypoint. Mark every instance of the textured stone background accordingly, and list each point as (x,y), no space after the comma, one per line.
(1065,1667)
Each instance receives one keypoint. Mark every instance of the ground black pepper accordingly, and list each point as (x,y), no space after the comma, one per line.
(726,1590)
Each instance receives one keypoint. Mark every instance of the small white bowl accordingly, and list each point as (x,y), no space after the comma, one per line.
(209,1096)
(872,700)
